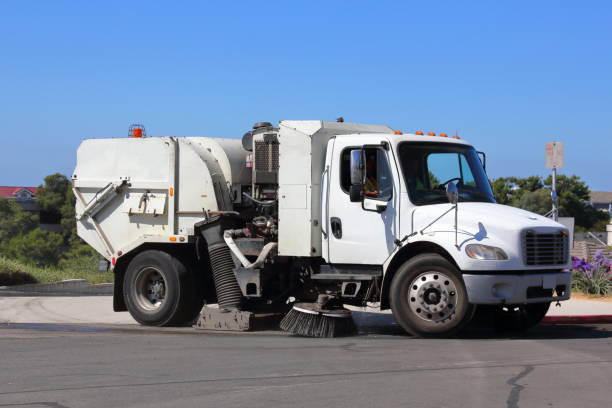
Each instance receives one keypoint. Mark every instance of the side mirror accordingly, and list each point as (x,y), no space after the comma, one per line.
(356,189)
(452,193)
(356,166)
(356,193)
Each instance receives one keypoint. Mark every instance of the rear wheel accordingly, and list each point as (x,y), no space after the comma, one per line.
(428,297)
(159,290)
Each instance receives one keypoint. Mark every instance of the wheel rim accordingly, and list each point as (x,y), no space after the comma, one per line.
(149,288)
(433,296)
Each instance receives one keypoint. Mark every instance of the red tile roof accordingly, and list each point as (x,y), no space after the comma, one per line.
(9,192)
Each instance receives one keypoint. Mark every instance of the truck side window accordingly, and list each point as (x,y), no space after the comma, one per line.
(345,169)
(378,180)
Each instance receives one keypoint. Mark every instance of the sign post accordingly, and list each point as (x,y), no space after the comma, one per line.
(554,161)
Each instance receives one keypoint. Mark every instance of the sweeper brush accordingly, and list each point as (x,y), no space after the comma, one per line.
(318,320)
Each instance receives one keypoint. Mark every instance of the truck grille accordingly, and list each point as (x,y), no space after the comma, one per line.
(545,249)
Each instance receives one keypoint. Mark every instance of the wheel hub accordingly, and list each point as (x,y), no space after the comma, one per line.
(157,291)
(150,288)
(433,296)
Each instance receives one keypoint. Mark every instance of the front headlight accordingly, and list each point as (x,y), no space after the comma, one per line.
(478,251)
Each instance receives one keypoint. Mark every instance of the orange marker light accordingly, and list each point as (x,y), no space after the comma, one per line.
(137,131)
(398,132)
(443,135)
(431,134)
(418,132)
(173,239)
(456,137)
(182,239)
(171,191)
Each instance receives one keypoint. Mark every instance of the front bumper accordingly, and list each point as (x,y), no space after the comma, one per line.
(516,289)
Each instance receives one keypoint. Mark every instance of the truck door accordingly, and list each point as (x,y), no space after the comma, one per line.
(361,232)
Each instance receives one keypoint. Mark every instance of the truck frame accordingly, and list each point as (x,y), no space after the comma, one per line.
(362,214)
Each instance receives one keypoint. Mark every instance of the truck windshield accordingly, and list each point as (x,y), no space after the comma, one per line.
(429,167)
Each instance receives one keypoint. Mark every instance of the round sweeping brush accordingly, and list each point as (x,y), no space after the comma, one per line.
(318,320)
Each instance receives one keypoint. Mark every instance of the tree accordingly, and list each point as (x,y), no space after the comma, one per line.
(530,184)
(574,196)
(37,247)
(52,195)
(503,190)
(14,221)
(56,198)
(533,194)
(538,201)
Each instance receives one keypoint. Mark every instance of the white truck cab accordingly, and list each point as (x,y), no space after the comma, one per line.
(360,213)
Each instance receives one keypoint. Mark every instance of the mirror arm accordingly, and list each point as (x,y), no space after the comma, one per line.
(456,230)
(436,220)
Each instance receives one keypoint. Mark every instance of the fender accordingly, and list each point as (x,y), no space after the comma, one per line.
(402,255)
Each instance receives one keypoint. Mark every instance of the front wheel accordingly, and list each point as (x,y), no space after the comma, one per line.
(428,297)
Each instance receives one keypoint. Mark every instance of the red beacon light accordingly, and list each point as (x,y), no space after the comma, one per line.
(137,131)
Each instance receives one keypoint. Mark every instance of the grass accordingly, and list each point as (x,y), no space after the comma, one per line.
(17,273)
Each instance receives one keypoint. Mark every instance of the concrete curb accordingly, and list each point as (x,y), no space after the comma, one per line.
(578,319)
(66,287)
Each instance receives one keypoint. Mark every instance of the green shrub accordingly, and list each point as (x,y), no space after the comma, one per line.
(37,247)
(14,273)
(599,283)
(593,278)
(81,258)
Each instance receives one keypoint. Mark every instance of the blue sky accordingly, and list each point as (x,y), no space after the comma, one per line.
(507,76)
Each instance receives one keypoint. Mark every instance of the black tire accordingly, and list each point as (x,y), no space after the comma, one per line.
(516,318)
(428,297)
(160,291)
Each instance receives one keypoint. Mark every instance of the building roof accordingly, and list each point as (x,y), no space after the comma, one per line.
(602,197)
(11,192)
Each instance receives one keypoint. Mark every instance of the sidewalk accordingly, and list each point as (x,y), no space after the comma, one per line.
(581,306)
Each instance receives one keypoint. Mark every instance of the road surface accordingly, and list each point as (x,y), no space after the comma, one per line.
(119,364)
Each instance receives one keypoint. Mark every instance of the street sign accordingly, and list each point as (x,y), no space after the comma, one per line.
(554,155)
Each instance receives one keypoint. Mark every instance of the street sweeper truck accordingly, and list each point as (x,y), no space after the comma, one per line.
(306,217)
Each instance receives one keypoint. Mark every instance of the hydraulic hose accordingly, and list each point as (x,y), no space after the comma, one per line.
(229,236)
(229,295)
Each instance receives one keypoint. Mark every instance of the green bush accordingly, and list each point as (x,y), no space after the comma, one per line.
(595,277)
(14,221)
(599,283)
(37,247)
(81,258)
(14,273)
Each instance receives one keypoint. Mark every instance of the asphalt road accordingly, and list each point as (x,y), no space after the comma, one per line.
(51,365)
